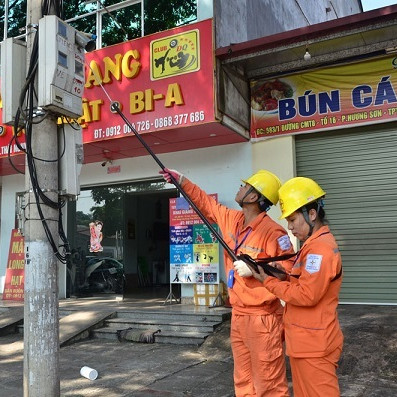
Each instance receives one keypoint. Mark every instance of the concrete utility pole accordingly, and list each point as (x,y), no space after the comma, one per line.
(41,322)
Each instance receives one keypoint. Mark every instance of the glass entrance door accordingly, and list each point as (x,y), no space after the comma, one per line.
(97,261)
(119,237)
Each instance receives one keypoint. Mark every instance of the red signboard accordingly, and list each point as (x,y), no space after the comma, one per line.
(15,273)
(162,81)
(7,144)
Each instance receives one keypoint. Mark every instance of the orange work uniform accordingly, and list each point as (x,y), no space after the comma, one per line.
(313,336)
(256,329)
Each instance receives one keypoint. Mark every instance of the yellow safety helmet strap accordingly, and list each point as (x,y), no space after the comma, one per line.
(305,212)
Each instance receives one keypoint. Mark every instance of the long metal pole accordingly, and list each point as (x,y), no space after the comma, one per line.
(5,20)
(264,263)
(41,323)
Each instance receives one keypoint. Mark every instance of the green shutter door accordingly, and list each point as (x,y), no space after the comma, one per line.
(358,170)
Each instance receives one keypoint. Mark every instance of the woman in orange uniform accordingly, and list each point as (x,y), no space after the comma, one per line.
(313,336)
(256,329)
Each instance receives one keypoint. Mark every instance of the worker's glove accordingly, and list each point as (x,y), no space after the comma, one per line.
(167,175)
(242,269)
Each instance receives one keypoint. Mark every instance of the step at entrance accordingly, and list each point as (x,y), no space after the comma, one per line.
(179,325)
(175,327)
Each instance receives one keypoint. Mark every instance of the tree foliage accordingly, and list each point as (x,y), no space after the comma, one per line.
(126,23)
(118,25)
(82,218)
(166,14)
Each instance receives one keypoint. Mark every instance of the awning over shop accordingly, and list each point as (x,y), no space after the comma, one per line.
(194,137)
(340,40)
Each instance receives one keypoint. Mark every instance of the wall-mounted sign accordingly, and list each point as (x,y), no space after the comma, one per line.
(175,55)
(162,81)
(335,97)
(194,250)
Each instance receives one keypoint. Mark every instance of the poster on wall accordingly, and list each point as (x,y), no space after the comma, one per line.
(335,97)
(15,272)
(194,250)
(96,236)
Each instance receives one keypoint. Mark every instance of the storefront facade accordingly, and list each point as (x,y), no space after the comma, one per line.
(335,122)
(170,86)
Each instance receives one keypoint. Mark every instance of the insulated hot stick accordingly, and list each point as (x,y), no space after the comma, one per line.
(270,270)
(115,107)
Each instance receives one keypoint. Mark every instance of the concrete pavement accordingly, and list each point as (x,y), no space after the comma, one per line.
(368,367)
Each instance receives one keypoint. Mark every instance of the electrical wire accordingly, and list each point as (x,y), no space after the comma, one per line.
(10,160)
(24,120)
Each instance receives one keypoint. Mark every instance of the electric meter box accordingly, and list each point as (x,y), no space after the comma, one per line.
(71,157)
(13,76)
(61,67)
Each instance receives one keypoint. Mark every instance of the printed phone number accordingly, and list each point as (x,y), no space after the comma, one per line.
(147,125)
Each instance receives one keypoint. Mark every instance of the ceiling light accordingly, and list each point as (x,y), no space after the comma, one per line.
(307,55)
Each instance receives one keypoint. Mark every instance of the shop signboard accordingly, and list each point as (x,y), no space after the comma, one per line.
(15,272)
(329,98)
(161,81)
(8,145)
(194,250)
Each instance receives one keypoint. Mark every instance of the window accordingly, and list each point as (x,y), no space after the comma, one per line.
(16,18)
(115,21)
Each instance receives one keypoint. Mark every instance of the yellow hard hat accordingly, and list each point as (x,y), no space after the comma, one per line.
(266,183)
(296,193)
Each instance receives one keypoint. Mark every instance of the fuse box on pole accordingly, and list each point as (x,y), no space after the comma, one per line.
(61,66)
(71,156)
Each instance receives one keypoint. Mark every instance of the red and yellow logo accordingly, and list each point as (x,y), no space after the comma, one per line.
(175,55)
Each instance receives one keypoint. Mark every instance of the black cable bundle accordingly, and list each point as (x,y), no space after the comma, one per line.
(25,116)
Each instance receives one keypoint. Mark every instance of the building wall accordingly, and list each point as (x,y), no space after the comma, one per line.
(278,156)
(243,20)
(216,169)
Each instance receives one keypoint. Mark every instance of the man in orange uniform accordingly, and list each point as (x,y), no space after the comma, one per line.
(313,336)
(256,329)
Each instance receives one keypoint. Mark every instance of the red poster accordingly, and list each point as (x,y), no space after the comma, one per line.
(182,214)
(15,273)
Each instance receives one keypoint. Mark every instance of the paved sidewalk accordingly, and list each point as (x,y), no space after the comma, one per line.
(126,369)
(368,367)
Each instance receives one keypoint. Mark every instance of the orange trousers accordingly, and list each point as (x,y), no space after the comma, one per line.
(259,363)
(316,376)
